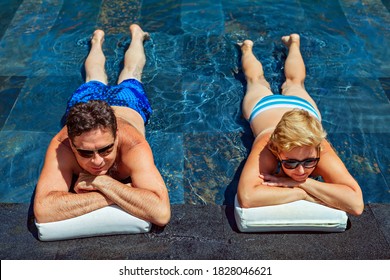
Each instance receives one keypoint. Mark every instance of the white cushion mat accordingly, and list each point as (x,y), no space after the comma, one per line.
(109,220)
(294,216)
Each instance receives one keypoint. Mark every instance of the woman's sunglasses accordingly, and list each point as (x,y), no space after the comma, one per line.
(90,153)
(307,163)
(293,163)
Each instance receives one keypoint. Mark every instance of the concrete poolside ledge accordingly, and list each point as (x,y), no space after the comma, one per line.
(201,233)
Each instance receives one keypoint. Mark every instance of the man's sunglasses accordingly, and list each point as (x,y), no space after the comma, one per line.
(90,153)
(293,163)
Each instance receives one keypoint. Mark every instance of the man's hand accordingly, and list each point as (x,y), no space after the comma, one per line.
(85,183)
(275,181)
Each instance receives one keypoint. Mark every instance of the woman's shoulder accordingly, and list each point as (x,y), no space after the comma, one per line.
(327,149)
(261,142)
(260,148)
(329,159)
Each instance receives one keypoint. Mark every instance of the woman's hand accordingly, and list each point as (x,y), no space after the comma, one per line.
(287,182)
(274,181)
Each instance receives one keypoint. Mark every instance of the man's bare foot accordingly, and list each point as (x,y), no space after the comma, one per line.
(247,45)
(137,32)
(291,39)
(98,37)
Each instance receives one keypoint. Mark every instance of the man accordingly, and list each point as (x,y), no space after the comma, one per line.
(101,156)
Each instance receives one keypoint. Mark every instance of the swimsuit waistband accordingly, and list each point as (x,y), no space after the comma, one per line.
(283,101)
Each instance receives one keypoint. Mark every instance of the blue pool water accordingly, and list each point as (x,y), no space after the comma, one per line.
(193,80)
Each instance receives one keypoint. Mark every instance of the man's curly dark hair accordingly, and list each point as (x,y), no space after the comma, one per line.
(94,114)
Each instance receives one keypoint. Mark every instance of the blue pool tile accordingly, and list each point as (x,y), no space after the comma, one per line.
(386,86)
(386,3)
(258,21)
(378,143)
(213,162)
(22,154)
(192,78)
(202,17)
(41,104)
(10,88)
(370,21)
(166,102)
(165,55)
(208,107)
(169,156)
(63,50)
(161,16)
(365,156)
(168,151)
(115,16)
(351,104)
(339,55)
(30,24)
(7,12)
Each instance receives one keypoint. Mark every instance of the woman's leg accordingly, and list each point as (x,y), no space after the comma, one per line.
(295,70)
(257,85)
(135,58)
(95,62)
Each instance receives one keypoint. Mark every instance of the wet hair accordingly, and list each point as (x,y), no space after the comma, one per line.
(94,114)
(297,128)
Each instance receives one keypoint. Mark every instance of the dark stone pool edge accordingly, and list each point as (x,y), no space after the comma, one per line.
(198,232)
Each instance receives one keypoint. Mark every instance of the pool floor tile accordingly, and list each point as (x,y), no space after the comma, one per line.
(386,86)
(10,88)
(213,162)
(366,158)
(7,12)
(22,154)
(169,154)
(194,82)
(41,104)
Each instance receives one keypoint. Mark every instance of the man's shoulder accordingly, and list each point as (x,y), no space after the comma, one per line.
(60,155)
(129,136)
(60,145)
(60,140)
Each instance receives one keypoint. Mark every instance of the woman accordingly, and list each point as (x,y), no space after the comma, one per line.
(290,148)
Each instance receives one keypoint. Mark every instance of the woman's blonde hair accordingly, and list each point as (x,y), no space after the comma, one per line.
(297,128)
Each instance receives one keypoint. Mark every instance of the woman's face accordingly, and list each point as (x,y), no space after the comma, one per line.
(299,162)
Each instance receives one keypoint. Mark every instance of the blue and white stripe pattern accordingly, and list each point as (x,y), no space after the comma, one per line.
(282,101)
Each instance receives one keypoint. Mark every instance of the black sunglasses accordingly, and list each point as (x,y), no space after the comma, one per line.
(89,153)
(293,163)
(306,163)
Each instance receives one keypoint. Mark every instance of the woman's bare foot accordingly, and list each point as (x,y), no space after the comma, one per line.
(98,37)
(291,39)
(247,45)
(137,32)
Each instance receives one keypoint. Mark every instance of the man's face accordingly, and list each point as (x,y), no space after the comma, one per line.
(95,150)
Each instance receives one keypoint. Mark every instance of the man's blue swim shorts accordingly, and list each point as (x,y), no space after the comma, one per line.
(129,93)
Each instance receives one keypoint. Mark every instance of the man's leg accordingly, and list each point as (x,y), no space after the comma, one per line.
(135,58)
(257,85)
(295,70)
(95,62)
